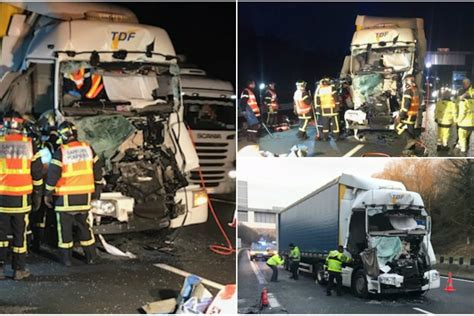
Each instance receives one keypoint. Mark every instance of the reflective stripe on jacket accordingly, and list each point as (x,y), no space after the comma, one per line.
(302,102)
(271,100)
(446,112)
(295,254)
(334,261)
(77,174)
(251,101)
(16,155)
(275,260)
(466,113)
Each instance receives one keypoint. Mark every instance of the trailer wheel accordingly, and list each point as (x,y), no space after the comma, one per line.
(319,273)
(359,284)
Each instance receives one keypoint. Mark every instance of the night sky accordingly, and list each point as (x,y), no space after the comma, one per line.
(204,32)
(285,42)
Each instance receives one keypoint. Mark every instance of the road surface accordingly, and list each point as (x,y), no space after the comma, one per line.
(304,296)
(385,143)
(116,285)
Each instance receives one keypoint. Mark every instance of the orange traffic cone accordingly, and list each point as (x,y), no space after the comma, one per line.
(449,285)
(264,298)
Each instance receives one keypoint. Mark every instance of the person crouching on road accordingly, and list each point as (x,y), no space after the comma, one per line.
(302,107)
(334,263)
(73,180)
(273,262)
(295,258)
(445,114)
(21,184)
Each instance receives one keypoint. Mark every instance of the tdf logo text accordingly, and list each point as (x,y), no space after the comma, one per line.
(122,37)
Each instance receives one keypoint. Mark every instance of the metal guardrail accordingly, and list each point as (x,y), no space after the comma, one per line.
(462,261)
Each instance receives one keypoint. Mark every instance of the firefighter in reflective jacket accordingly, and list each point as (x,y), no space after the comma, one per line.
(295,257)
(73,180)
(465,119)
(20,191)
(251,110)
(327,106)
(271,102)
(408,113)
(302,107)
(81,83)
(273,262)
(334,262)
(446,112)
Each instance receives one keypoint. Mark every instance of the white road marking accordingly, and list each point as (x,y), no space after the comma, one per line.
(185,274)
(272,301)
(462,280)
(354,150)
(258,273)
(422,310)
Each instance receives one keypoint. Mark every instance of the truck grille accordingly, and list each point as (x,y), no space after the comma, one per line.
(213,169)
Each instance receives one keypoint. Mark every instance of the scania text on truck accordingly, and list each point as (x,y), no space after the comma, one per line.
(384,228)
(136,126)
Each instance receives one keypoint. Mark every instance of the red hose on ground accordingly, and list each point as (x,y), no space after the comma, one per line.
(221,250)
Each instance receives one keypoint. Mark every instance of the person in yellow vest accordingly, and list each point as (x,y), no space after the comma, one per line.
(271,102)
(273,262)
(408,114)
(74,179)
(465,119)
(334,262)
(327,105)
(295,258)
(302,107)
(251,111)
(446,112)
(20,191)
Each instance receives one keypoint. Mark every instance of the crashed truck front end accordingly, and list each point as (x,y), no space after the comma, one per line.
(397,255)
(139,135)
(380,59)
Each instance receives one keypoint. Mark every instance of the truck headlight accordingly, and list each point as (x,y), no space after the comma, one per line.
(199,198)
(252,252)
(103,207)
(232,174)
(389,280)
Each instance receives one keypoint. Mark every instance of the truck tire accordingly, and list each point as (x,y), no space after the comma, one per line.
(319,274)
(359,284)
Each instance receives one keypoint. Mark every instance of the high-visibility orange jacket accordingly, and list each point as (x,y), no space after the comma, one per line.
(20,173)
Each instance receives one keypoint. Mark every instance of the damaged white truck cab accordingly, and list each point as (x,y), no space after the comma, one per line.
(384,228)
(209,111)
(383,52)
(136,127)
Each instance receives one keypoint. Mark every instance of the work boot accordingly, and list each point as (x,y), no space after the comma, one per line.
(439,147)
(90,254)
(66,255)
(21,274)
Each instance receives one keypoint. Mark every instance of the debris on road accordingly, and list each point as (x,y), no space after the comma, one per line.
(114,251)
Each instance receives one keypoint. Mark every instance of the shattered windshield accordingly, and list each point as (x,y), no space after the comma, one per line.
(209,113)
(382,59)
(118,87)
(396,223)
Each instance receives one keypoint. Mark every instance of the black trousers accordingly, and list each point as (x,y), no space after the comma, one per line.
(274,273)
(294,269)
(16,223)
(66,222)
(272,118)
(330,125)
(338,277)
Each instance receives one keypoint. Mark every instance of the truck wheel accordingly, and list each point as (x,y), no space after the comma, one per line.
(319,272)
(359,284)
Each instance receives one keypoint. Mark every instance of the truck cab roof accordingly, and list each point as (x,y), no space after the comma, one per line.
(387,197)
(76,39)
(195,82)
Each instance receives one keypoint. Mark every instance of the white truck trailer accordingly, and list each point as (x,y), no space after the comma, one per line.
(138,130)
(384,228)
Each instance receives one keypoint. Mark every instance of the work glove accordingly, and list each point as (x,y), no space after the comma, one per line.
(36,201)
(48,200)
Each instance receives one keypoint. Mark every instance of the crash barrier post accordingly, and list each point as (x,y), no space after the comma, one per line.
(455,260)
